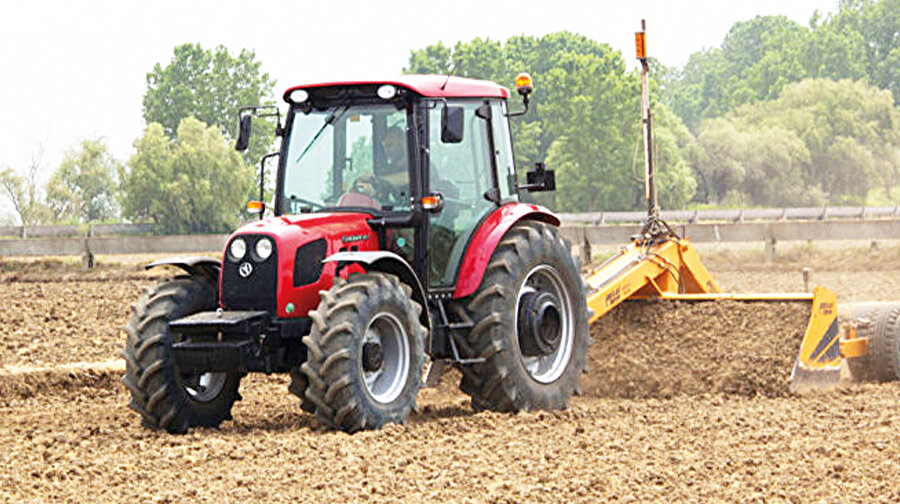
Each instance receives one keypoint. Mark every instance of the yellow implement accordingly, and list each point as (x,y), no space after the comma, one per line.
(668,267)
(660,264)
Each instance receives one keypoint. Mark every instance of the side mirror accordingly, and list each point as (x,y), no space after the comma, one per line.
(243,137)
(539,179)
(452,124)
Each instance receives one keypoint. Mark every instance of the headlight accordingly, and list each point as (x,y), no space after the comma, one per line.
(299,95)
(237,249)
(386,92)
(263,248)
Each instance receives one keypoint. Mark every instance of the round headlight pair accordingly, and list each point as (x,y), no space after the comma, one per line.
(238,249)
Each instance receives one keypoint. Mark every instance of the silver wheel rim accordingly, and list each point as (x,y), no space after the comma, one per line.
(548,368)
(205,387)
(386,383)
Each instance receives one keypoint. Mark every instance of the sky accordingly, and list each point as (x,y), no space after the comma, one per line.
(72,70)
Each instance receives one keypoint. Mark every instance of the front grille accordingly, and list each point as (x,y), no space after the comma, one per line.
(308,262)
(255,291)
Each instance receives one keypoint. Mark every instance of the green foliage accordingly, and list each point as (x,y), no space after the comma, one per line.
(759,57)
(583,117)
(83,188)
(194,184)
(875,24)
(210,86)
(820,141)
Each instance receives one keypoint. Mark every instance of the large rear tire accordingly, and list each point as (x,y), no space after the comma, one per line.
(166,398)
(365,353)
(530,324)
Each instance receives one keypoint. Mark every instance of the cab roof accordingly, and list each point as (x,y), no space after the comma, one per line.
(430,86)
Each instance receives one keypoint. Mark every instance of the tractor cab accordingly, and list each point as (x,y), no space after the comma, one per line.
(426,156)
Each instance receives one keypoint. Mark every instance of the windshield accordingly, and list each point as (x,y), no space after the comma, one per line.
(347,156)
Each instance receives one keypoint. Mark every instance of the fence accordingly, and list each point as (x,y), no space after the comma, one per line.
(582,230)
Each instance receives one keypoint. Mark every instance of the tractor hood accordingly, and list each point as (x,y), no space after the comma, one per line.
(288,281)
(303,228)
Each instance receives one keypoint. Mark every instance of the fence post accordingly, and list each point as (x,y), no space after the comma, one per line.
(770,243)
(87,259)
(585,250)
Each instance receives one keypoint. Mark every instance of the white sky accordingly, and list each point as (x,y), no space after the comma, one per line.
(72,70)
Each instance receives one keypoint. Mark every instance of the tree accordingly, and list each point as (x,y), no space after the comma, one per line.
(84,186)
(756,60)
(876,23)
(196,183)
(209,86)
(23,190)
(819,141)
(583,117)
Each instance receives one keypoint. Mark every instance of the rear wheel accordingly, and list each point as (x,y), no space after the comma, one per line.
(165,397)
(365,353)
(529,324)
(884,344)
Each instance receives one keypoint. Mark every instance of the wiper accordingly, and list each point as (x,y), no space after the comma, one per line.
(328,121)
(311,203)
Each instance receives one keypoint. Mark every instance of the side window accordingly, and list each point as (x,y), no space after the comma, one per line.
(461,172)
(506,167)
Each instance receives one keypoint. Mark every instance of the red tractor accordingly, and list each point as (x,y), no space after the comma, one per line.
(398,241)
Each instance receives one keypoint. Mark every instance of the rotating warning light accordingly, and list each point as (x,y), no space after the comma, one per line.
(524,83)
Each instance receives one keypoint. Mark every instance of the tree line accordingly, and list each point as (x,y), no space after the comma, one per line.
(780,114)
(184,174)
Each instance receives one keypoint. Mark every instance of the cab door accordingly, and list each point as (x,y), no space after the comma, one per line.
(463,173)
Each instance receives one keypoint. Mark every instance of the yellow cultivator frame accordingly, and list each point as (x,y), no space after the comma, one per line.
(668,267)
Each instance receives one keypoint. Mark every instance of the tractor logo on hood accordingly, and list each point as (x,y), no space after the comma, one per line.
(245,269)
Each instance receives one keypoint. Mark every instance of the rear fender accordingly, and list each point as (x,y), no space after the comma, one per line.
(488,236)
(205,267)
(391,263)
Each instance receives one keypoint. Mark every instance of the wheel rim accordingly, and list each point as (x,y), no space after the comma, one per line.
(548,368)
(204,387)
(385,383)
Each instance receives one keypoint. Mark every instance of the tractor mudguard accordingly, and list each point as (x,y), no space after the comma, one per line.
(193,265)
(391,263)
(488,236)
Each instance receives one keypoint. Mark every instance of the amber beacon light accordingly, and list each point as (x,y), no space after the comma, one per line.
(524,83)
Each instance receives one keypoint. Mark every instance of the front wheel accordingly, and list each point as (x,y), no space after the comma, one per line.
(366,351)
(165,397)
(530,325)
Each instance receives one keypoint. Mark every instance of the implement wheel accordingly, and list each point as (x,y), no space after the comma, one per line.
(530,324)
(365,353)
(166,398)
(883,330)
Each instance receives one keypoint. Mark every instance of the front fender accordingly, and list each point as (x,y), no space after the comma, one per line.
(388,262)
(194,265)
(488,236)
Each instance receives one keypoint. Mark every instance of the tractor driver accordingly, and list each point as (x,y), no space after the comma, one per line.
(389,185)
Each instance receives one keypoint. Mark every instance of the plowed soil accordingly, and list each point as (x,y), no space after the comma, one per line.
(661,349)
(683,403)
(46,323)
